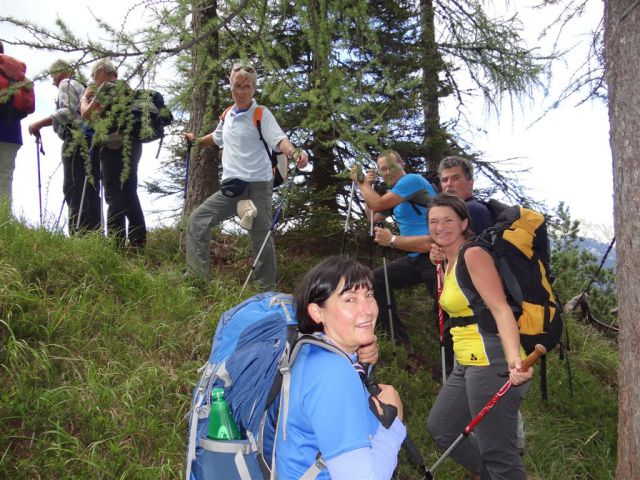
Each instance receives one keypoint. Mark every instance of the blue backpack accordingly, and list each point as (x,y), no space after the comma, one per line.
(253,349)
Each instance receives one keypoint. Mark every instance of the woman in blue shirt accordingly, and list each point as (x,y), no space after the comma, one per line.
(328,413)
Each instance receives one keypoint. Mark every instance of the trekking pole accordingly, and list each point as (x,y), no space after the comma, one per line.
(388,292)
(84,191)
(441,320)
(103,220)
(60,214)
(185,190)
(186,176)
(566,351)
(388,415)
(346,221)
(283,201)
(371,239)
(39,150)
(539,351)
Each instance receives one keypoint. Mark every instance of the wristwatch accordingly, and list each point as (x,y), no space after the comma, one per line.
(392,242)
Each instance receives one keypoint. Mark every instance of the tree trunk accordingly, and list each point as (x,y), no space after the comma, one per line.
(205,105)
(622,37)
(324,158)
(432,65)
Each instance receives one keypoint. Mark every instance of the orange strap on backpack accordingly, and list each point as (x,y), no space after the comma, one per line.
(257,114)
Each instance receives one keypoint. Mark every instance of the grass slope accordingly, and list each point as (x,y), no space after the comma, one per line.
(99,352)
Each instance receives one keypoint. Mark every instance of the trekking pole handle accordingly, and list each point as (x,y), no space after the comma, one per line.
(389,412)
(39,144)
(438,295)
(532,358)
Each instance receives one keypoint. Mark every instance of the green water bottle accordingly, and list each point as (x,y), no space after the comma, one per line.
(221,423)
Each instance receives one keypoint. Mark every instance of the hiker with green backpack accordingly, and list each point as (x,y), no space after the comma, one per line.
(330,424)
(247,177)
(487,348)
(107,104)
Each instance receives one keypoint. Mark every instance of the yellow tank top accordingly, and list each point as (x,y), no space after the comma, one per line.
(471,345)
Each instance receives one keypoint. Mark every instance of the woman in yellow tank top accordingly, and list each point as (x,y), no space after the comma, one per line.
(484,359)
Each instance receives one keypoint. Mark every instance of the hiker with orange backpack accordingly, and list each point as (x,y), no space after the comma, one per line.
(247,177)
(16,102)
(486,343)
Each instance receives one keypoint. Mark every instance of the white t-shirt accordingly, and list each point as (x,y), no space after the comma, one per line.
(243,154)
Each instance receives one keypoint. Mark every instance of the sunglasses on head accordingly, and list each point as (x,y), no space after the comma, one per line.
(246,68)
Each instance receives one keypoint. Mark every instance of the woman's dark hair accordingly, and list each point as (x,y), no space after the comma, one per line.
(319,283)
(458,205)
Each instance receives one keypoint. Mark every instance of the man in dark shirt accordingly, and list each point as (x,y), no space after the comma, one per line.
(456,178)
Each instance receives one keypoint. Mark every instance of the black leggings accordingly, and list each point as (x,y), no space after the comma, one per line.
(122,197)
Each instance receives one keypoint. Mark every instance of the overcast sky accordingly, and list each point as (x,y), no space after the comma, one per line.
(567,151)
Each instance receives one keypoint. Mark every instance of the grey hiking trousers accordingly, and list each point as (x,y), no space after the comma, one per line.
(8,152)
(217,208)
(492,449)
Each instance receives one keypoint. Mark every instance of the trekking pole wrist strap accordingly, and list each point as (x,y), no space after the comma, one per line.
(389,412)
(294,153)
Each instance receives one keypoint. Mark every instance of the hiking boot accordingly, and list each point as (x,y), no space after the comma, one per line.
(137,244)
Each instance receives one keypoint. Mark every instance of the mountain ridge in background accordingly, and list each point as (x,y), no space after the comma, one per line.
(596,238)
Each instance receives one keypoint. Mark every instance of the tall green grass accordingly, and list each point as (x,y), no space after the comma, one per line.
(99,352)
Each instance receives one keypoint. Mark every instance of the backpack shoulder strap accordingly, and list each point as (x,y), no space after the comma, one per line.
(257,118)
(287,363)
(466,286)
(224,113)
(304,339)
(419,198)
(257,122)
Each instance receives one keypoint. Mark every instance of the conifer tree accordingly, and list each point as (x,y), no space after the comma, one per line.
(345,81)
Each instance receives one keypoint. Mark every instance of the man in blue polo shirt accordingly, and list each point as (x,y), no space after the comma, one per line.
(407,200)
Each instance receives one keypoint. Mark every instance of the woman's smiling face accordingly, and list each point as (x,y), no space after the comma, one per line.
(349,317)
(445,226)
